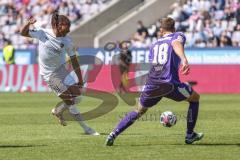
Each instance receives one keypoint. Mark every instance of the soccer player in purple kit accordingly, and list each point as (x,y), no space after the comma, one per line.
(165,56)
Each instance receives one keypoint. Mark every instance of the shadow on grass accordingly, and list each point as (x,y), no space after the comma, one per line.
(19,146)
(183,144)
(106,134)
(219,144)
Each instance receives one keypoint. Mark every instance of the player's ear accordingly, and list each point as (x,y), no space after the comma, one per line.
(161,31)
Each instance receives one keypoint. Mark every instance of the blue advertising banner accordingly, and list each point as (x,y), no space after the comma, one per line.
(22,57)
(195,55)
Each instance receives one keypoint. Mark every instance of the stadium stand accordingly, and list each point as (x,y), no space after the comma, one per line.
(123,27)
(206,23)
(13,13)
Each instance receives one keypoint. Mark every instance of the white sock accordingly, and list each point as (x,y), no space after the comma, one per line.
(77,99)
(77,116)
(62,107)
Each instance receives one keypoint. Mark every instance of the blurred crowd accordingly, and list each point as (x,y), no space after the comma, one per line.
(206,23)
(13,13)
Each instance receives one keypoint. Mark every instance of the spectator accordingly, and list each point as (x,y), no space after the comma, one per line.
(141,29)
(238,16)
(225,40)
(228,13)
(236,36)
(8,52)
(125,60)
(12,14)
(206,23)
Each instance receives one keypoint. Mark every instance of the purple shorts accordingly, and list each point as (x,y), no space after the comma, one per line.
(153,93)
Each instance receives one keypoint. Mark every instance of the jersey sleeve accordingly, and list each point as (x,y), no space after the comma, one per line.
(179,36)
(36,33)
(70,48)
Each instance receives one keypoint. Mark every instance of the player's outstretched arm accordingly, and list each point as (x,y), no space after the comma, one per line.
(25,29)
(76,67)
(179,50)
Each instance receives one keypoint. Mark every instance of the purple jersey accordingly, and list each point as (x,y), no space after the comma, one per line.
(165,62)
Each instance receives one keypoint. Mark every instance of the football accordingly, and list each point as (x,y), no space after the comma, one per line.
(168,119)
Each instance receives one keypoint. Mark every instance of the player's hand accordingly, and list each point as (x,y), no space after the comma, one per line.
(185,69)
(32,20)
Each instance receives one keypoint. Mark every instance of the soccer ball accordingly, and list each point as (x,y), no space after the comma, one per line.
(168,119)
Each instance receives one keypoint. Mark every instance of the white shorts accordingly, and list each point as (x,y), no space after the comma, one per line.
(59,83)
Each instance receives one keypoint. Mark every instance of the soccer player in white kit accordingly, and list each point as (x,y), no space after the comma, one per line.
(52,48)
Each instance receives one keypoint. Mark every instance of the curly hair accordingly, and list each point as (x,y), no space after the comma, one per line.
(58,19)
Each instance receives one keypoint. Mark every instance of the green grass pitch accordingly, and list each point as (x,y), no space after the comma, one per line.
(29,132)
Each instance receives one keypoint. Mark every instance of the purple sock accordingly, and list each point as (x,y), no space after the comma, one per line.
(127,121)
(192,116)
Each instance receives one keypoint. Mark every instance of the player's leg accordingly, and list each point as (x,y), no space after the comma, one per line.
(75,113)
(184,92)
(129,119)
(63,86)
(146,101)
(67,99)
(192,111)
(76,92)
(123,78)
(64,92)
(192,116)
(57,85)
(126,122)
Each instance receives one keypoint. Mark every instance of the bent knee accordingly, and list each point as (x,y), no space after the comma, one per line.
(195,97)
(67,99)
(69,102)
(75,91)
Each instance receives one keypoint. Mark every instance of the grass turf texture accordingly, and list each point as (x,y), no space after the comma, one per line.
(28,131)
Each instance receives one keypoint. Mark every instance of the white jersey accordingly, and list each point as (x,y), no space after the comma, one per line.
(51,51)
